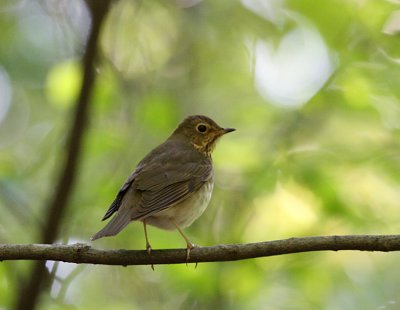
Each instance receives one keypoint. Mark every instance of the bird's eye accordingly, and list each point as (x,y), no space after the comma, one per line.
(201,128)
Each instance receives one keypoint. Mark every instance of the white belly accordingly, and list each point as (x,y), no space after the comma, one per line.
(185,213)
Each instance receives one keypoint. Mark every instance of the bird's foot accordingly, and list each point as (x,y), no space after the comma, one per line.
(148,250)
(189,247)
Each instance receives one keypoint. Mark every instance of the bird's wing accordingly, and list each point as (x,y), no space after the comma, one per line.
(118,199)
(164,186)
(161,185)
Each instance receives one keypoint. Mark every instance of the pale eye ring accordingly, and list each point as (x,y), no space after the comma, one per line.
(201,128)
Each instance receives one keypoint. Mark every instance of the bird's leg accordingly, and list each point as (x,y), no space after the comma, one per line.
(148,246)
(189,245)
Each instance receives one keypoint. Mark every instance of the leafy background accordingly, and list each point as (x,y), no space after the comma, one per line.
(312,88)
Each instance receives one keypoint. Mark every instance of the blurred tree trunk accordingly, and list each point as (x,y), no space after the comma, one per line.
(30,289)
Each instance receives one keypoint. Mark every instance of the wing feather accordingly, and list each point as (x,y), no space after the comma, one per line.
(116,204)
(162,196)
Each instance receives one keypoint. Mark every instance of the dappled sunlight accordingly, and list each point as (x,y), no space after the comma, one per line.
(139,38)
(292,71)
(358,267)
(389,109)
(291,79)
(354,135)
(6,94)
(64,275)
(63,83)
(237,154)
(54,30)
(291,210)
(369,193)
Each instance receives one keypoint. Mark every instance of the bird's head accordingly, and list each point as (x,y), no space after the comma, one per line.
(201,131)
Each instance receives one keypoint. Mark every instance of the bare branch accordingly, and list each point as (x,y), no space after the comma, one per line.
(83,253)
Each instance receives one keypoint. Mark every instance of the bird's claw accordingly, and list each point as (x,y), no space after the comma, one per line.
(148,250)
(189,247)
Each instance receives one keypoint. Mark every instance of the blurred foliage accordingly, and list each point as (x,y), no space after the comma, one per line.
(312,88)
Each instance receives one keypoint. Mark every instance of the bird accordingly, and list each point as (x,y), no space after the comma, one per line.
(172,185)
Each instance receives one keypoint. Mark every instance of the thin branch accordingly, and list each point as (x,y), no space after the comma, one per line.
(84,254)
(32,287)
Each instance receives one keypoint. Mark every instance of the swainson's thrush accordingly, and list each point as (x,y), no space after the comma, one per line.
(172,186)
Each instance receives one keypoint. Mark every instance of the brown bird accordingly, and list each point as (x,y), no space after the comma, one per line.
(172,186)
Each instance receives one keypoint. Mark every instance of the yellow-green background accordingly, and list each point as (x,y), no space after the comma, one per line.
(328,166)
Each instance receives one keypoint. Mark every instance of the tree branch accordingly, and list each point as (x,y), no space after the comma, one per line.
(83,253)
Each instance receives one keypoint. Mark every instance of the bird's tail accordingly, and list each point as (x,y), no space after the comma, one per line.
(117,223)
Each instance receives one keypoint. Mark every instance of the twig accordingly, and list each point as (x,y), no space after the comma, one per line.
(84,254)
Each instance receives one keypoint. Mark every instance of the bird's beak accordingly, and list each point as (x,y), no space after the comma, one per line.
(226,130)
